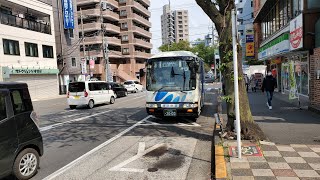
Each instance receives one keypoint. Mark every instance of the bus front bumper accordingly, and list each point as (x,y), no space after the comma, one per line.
(184,112)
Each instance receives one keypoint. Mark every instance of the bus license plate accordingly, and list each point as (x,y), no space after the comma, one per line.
(170,112)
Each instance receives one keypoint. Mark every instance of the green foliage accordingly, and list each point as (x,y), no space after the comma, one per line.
(205,52)
(181,46)
(227,99)
(252,61)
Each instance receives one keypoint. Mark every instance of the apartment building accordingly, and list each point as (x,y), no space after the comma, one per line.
(27,46)
(67,44)
(245,18)
(287,33)
(174,25)
(126,28)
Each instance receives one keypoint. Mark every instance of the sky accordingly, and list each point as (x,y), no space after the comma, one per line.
(199,22)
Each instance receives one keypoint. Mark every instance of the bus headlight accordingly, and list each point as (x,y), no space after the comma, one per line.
(152,105)
(190,105)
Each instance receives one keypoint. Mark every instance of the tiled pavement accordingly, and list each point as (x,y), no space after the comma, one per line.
(280,162)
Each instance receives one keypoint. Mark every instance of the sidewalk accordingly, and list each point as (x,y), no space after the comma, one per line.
(286,123)
(282,162)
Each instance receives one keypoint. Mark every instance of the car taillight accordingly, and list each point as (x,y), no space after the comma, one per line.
(35,118)
(85,94)
(68,94)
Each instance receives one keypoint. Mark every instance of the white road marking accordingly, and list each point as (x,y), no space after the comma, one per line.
(71,121)
(119,167)
(142,147)
(76,161)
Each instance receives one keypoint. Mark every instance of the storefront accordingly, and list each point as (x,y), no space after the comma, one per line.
(42,83)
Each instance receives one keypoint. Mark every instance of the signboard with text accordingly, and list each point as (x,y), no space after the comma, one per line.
(274,47)
(34,71)
(83,66)
(68,16)
(249,45)
(296,33)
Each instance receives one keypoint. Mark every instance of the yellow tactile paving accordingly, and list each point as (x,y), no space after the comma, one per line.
(221,170)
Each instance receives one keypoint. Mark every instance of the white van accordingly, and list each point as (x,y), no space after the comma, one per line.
(90,93)
(133,86)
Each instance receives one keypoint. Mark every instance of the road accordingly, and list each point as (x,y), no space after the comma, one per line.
(69,134)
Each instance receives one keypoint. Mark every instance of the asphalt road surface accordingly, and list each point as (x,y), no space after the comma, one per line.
(173,148)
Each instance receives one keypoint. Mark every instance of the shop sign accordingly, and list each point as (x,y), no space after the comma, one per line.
(250,49)
(83,66)
(68,17)
(274,47)
(91,62)
(34,71)
(296,33)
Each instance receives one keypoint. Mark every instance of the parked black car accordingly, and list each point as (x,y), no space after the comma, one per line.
(20,138)
(119,89)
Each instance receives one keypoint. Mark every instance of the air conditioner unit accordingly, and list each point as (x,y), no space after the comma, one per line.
(104,6)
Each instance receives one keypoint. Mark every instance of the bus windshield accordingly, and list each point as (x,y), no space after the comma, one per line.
(170,75)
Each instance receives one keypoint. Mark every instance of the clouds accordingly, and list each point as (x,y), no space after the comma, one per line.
(199,22)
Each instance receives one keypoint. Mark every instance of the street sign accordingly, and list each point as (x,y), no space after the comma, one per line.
(91,62)
(83,66)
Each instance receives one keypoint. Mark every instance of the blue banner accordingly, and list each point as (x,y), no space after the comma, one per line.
(68,15)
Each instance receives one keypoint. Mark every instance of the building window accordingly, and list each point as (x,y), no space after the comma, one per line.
(180,35)
(73,62)
(31,49)
(123,13)
(251,3)
(71,33)
(124,38)
(11,47)
(122,1)
(124,25)
(179,13)
(125,51)
(47,51)
(252,16)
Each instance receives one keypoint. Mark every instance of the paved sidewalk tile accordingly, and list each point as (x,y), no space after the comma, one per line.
(265,178)
(289,154)
(315,149)
(275,159)
(288,178)
(241,172)
(304,166)
(284,173)
(298,145)
(267,143)
(308,154)
(243,178)
(312,159)
(306,173)
(285,148)
(294,160)
(256,159)
(315,166)
(262,172)
(240,165)
(259,165)
(271,154)
(269,148)
(243,159)
(279,165)
(302,149)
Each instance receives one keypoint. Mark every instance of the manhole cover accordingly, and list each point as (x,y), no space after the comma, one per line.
(152,169)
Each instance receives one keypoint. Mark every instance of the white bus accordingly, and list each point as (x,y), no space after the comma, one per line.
(175,84)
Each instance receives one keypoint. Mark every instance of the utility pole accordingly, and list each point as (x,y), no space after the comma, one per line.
(236,81)
(215,61)
(104,44)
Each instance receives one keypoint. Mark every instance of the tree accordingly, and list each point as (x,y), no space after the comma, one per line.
(219,11)
(180,46)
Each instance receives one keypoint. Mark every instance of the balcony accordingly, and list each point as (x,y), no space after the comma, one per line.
(96,12)
(98,40)
(96,26)
(141,31)
(142,20)
(146,2)
(139,7)
(111,54)
(98,69)
(142,43)
(23,23)
(142,55)
(86,2)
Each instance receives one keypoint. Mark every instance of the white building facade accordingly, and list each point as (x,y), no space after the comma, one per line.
(27,46)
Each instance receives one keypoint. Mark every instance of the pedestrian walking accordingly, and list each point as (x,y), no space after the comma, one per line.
(246,79)
(268,85)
